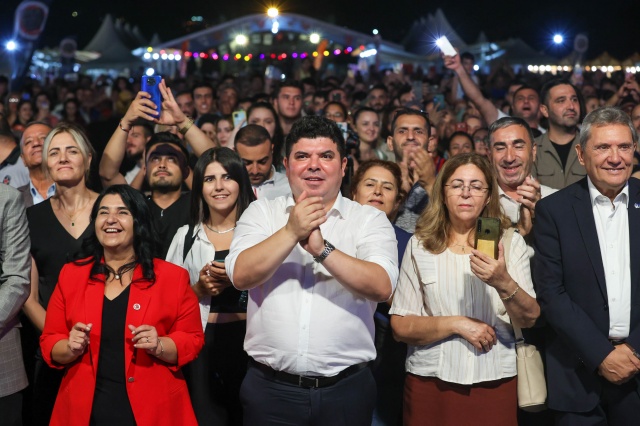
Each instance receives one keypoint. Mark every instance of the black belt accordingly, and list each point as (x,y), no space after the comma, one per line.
(617,342)
(307,381)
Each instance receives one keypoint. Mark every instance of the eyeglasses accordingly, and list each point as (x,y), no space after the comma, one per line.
(476,190)
(334,115)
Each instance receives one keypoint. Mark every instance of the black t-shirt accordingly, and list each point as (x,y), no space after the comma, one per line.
(167,221)
(563,152)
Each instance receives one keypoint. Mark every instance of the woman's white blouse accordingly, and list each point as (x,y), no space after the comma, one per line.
(202,252)
(443,285)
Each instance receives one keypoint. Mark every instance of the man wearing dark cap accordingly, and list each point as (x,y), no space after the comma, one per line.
(166,161)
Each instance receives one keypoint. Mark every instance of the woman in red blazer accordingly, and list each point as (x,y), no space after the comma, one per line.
(122,324)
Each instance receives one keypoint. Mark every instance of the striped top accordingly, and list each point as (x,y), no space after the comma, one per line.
(443,285)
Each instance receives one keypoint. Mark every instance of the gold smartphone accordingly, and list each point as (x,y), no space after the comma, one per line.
(488,235)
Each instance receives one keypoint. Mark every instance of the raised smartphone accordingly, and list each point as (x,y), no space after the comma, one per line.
(488,236)
(239,118)
(150,84)
(445,46)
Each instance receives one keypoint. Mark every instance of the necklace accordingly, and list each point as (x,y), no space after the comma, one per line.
(219,232)
(462,246)
(72,218)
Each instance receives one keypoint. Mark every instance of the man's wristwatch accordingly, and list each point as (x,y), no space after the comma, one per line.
(328,248)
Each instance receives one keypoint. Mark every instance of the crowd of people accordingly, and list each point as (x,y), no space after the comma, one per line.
(314,261)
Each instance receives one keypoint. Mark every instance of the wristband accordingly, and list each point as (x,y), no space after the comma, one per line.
(122,128)
(183,131)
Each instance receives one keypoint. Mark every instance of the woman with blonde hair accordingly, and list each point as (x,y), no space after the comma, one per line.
(57,227)
(454,305)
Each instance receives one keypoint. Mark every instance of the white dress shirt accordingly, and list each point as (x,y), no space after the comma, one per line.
(443,285)
(612,226)
(276,186)
(302,320)
(202,251)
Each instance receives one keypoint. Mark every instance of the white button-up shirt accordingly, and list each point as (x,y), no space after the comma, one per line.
(612,226)
(302,320)
(276,186)
(202,252)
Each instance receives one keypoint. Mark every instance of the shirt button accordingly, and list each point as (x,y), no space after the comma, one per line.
(130,379)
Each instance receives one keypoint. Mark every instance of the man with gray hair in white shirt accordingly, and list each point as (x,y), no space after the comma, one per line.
(315,265)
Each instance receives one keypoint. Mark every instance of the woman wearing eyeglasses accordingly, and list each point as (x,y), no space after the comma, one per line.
(454,306)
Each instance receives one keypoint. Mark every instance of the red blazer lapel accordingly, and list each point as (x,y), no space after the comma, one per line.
(140,292)
(94,300)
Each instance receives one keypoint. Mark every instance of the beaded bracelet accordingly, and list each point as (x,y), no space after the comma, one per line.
(161,348)
(512,295)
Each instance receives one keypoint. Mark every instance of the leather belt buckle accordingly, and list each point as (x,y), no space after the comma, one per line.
(308,382)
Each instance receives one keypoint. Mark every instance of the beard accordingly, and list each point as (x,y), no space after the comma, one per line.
(165,186)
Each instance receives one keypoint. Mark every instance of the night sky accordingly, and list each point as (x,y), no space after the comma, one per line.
(612,25)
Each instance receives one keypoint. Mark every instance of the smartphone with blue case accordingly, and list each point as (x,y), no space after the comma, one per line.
(151,85)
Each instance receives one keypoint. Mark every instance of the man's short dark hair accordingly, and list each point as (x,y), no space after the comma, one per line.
(544,94)
(467,55)
(186,92)
(147,127)
(508,122)
(252,135)
(5,129)
(200,86)
(287,83)
(523,87)
(379,86)
(410,111)
(321,94)
(312,127)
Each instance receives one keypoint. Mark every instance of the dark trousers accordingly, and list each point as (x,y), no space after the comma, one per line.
(619,406)
(388,371)
(11,409)
(46,383)
(349,402)
(214,378)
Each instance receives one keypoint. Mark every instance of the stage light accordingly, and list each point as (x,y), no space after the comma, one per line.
(149,72)
(272,12)
(314,38)
(558,39)
(241,39)
(11,45)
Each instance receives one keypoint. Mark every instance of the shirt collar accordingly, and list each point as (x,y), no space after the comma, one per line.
(339,206)
(594,194)
(50,191)
(270,180)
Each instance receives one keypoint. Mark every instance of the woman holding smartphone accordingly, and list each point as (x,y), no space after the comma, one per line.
(454,305)
(221,192)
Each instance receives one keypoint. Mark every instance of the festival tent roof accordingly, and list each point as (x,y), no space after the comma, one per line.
(423,33)
(632,60)
(108,42)
(605,59)
(293,34)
